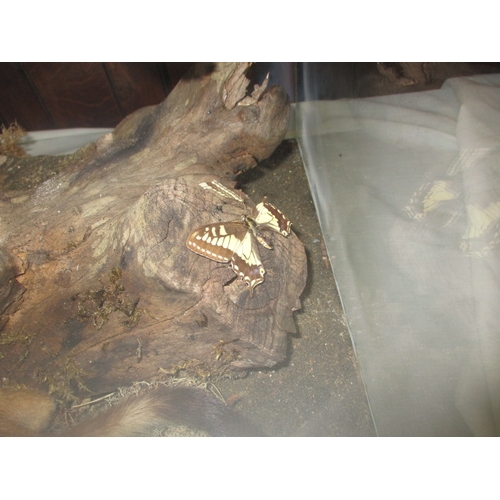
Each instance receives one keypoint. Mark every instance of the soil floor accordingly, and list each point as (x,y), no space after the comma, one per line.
(318,391)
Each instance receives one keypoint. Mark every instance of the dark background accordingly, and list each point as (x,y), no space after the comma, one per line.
(45,96)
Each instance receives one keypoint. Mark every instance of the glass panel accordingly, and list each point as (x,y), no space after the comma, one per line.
(407,188)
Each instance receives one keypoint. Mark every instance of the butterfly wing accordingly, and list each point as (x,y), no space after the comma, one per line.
(246,262)
(230,242)
(271,217)
(217,241)
(236,241)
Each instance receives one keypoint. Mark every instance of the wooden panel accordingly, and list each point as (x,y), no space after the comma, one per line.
(58,95)
(137,84)
(339,80)
(62,95)
(177,70)
(19,101)
(77,94)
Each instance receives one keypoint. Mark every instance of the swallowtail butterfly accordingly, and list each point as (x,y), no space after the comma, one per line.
(236,241)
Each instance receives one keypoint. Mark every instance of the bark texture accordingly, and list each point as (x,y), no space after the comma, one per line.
(97,286)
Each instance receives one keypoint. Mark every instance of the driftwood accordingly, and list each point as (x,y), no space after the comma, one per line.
(98,289)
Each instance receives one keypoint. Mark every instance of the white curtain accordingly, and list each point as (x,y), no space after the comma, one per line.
(407,188)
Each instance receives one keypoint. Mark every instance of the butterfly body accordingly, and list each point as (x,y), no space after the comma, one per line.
(236,241)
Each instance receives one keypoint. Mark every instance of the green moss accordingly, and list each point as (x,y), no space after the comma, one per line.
(98,305)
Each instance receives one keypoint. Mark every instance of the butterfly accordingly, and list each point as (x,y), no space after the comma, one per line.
(236,241)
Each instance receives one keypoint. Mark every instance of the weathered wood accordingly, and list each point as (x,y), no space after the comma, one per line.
(100,289)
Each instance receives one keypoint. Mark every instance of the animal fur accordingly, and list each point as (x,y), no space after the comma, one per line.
(27,413)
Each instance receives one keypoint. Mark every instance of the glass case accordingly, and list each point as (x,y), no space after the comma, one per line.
(407,190)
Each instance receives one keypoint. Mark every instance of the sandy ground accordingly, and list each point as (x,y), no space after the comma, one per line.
(318,391)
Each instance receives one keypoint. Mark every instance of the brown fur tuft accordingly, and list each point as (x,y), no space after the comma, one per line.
(136,416)
(24,412)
